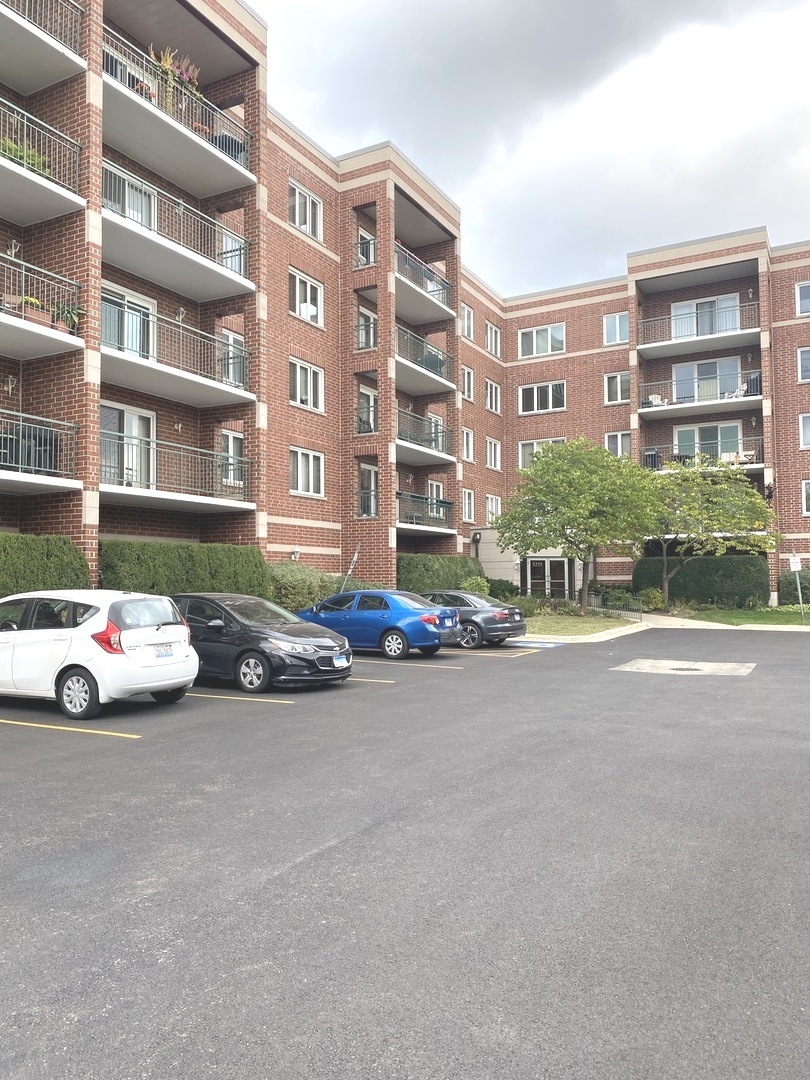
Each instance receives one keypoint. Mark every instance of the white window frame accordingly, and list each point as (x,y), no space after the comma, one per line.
(233,453)
(613,388)
(622,443)
(806,350)
(467,444)
(536,445)
(367,403)
(312,224)
(311,397)
(725,380)
(493,505)
(467,383)
(435,496)
(314,290)
(467,505)
(366,329)
(685,317)
(146,308)
(493,454)
(537,387)
(467,320)
(493,396)
(804,431)
(612,332)
(136,200)
(307,458)
(369,491)
(802,301)
(538,348)
(134,448)
(233,356)
(805,498)
(493,339)
(366,243)
(696,447)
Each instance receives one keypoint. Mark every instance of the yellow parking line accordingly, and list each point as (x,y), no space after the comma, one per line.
(405,664)
(81,730)
(245,697)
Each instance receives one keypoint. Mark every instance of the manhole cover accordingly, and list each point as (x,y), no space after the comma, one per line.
(678,667)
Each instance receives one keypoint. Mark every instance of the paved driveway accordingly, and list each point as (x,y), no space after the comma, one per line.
(515,863)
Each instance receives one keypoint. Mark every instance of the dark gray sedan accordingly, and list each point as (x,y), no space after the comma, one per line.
(484,619)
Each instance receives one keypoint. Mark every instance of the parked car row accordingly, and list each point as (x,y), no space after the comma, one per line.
(85,648)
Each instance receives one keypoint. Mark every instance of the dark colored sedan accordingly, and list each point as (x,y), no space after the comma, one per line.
(387,619)
(483,618)
(259,644)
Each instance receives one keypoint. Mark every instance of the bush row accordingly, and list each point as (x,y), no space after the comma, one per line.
(729,581)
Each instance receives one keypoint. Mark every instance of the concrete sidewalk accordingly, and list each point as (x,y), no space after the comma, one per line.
(651,621)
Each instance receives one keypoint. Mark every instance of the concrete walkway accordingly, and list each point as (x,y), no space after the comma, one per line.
(652,621)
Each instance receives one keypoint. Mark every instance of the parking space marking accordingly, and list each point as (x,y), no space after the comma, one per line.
(245,697)
(80,730)
(405,664)
(388,682)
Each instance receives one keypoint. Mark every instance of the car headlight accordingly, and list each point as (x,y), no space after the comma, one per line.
(290,646)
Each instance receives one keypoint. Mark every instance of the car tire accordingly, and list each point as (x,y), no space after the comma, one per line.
(77,695)
(471,636)
(253,673)
(395,645)
(169,697)
(429,650)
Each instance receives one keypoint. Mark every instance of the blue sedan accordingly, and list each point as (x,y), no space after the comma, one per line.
(390,620)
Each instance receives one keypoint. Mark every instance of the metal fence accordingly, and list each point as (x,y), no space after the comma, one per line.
(685,390)
(420,275)
(137,71)
(699,323)
(747,450)
(35,444)
(132,461)
(36,146)
(422,430)
(423,510)
(35,294)
(607,602)
(419,351)
(61,19)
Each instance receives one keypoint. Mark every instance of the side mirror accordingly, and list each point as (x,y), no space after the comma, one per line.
(216,624)
(8,625)
(316,609)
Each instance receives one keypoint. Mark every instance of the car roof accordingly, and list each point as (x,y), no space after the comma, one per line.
(83,596)
(216,596)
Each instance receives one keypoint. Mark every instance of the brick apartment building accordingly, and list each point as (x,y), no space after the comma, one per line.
(213,331)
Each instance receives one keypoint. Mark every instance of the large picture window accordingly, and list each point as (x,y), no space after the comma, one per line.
(542,340)
(541,397)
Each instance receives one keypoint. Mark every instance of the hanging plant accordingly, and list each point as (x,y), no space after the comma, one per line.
(176,72)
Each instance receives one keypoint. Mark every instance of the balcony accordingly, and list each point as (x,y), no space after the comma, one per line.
(162,475)
(39,169)
(418,513)
(422,441)
(368,503)
(169,127)
(40,41)
(165,358)
(29,298)
(37,455)
(164,240)
(422,368)
(718,328)
(746,452)
(422,295)
(684,396)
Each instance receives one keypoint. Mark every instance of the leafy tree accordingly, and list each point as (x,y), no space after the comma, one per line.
(577,497)
(707,508)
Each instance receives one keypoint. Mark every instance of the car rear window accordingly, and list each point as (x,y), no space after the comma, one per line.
(409,599)
(144,611)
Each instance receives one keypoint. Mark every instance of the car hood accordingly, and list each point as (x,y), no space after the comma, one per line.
(311,633)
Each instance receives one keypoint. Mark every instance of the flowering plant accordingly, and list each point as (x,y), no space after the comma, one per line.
(32,301)
(180,72)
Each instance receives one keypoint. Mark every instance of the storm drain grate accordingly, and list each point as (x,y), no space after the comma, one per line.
(681,667)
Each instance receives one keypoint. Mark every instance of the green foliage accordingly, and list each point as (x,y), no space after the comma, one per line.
(294,586)
(724,580)
(419,573)
(618,598)
(788,593)
(25,155)
(502,589)
(40,562)
(475,584)
(652,599)
(159,567)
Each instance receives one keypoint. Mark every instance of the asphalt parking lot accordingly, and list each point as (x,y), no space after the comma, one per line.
(579,862)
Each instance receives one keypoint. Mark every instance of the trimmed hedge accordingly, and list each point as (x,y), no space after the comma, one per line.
(788,593)
(729,581)
(29,563)
(419,573)
(159,567)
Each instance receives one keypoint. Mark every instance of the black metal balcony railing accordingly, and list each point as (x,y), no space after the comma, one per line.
(746,450)
(35,444)
(422,510)
(61,19)
(700,390)
(134,69)
(366,335)
(420,275)
(419,351)
(366,419)
(169,342)
(35,294)
(127,195)
(699,324)
(366,252)
(37,146)
(367,503)
(131,461)
(420,429)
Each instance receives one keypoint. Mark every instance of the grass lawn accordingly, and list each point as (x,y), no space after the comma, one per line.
(572,625)
(741,617)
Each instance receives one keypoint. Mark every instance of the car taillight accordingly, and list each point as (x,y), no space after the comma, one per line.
(188,631)
(500,614)
(433,620)
(109,638)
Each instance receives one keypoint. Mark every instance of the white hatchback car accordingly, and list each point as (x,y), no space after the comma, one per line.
(87,647)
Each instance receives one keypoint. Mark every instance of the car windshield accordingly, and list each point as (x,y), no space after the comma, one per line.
(411,600)
(259,612)
(144,611)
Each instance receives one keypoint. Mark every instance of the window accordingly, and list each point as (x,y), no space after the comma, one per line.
(366,248)
(803,299)
(366,410)
(467,444)
(707,380)
(435,499)
(616,328)
(306,212)
(542,397)
(527,450)
(493,507)
(618,443)
(306,472)
(542,340)
(468,383)
(617,388)
(493,396)
(713,315)
(306,298)
(493,454)
(127,446)
(437,434)
(467,504)
(493,340)
(804,365)
(128,196)
(369,487)
(232,358)
(306,385)
(804,431)
(126,322)
(233,453)
(366,329)
(805,497)
(466,322)
(713,440)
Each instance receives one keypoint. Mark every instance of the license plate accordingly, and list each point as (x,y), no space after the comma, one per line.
(448,622)
(340,661)
(163,650)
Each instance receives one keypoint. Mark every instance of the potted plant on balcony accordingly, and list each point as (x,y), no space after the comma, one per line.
(25,155)
(35,311)
(66,317)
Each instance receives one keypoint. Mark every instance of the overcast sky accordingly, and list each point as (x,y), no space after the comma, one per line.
(569,132)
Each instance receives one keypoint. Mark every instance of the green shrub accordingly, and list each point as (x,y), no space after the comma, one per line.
(788,593)
(725,580)
(160,567)
(475,584)
(28,563)
(618,598)
(652,599)
(502,589)
(420,573)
